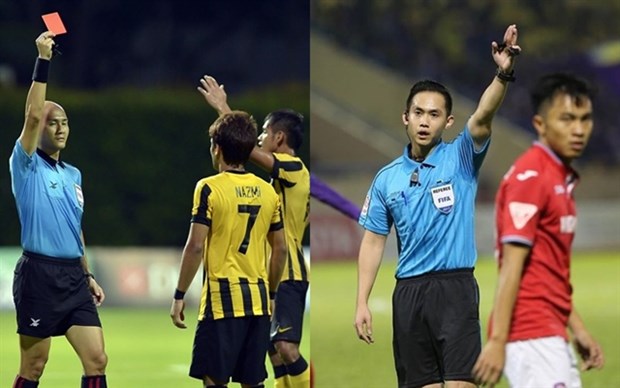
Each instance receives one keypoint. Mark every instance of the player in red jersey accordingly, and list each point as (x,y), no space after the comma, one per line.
(535,221)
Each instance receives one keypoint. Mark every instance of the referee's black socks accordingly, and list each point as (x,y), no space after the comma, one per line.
(94,382)
(21,382)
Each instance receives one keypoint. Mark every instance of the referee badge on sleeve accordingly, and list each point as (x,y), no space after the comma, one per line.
(443,198)
(79,195)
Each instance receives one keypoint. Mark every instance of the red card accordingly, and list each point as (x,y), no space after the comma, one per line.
(54,23)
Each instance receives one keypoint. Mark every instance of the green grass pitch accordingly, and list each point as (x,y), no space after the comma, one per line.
(144,349)
(342,360)
(147,351)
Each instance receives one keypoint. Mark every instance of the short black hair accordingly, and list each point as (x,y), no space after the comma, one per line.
(235,134)
(430,86)
(289,122)
(550,85)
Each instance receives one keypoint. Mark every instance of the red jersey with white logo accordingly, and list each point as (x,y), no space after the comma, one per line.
(535,207)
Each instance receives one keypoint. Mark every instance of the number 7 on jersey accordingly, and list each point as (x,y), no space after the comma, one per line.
(252,210)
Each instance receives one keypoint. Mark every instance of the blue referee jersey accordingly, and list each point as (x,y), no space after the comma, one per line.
(430,204)
(49,202)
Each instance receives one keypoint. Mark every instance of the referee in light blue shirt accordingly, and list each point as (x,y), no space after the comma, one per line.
(53,290)
(425,200)
(428,196)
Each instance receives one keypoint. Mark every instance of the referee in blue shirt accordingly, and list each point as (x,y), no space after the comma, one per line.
(53,290)
(428,195)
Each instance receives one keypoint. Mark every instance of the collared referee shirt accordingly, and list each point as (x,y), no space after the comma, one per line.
(431,206)
(50,203)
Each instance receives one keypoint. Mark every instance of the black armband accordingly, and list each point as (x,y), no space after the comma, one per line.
(272,295)
(41,70)
(178,294)
(508,77)
(89,275)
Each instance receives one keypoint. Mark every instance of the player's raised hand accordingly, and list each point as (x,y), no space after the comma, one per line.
(504,53)
(214,94)
(363,324)
(176,313)
(44,43)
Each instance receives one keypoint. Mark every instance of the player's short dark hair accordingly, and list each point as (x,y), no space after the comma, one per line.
(550,85)
(235,134)
(289,122)
(430,86)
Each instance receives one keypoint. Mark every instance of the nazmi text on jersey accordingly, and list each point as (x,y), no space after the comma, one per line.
(247,191)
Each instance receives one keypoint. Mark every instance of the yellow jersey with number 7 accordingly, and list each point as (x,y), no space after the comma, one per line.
(240,210)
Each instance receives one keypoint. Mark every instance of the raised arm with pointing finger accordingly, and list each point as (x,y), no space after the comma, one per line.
(479,124)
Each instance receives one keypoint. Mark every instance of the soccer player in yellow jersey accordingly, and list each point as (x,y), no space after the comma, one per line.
(276,153)
(236,216)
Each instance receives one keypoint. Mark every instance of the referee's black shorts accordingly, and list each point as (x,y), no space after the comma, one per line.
(51,295)
(436,327)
